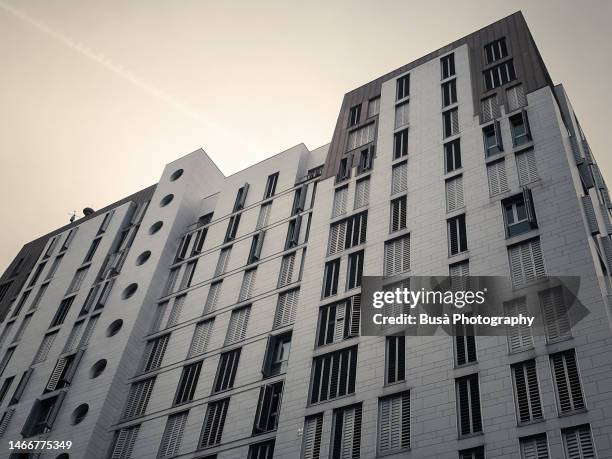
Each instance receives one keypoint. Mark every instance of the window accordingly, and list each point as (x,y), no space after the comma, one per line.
(200,237)
(263,450)
(499,75)
(526,262)
(398,214)
(492,139)
(519,337)
(449,93)
(124,442)
(395,359)
(400,144)
(277,355)
(399,178)
(19,390)
(37,273)
(138,398)
(457,237)
(201,337)
(188,275)
(373,106)
(355,270)
(264,216)
(521,133)
(173,435)
(496,174)
(348,233)
(534,447)
(354,115)
(489,109)
(454,193)
(340,199)
(333,375)
(465,345)
(64,371)
(42,416)
(394,423)
(51,246)
(496,50)
(54,266)
(346,433)
(311,443)
(38,297)
(468,405)
(5,420)
(366,160)
(154,353)
(19,306)
(8,328)
(293,232)
(403,87)
(268,408)
(92,250)
(361,136)
(344,170)
(62,312)
(77,280)
(285,308)
(214,292)
(555,314)
(578,442)
(397,256)
(447,66)
(516,97)
(472,453)
(6,385)
(248,283)
(271,186)
(4,288)
(339,321)
(256,247)
(212,430)
(362,193)
(88,332)
(45,347)
(526,165)
(450,121)
(567,382)
(519,214)
(226,371)
(285,275)
(232,228)
(527,392)
(299,200)
(69,238)
(105,222)
(241,197)
(236,330)
(401,115)
(223,261)
(331,273)
(7,357)
(187,384)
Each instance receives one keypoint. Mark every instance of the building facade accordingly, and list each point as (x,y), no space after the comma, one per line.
(219,317)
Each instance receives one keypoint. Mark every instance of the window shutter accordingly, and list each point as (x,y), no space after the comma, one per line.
(399,178)
(60,366)
(333,375)
(213,297)
(340,198)
(454,194)
(286,270)
(177,308)
(534,447)
(173,435)
(497,178)
(138,398)
(498,137)
(337,235)
(397,256)
(567,382)
(187,275)
(201,337)
(106,290)
(585,175)
(527,392)
(154,353)
(188,383)
(346,435)
(223,261)
(264,216)
(519,337)
(578,442)
(286,308)
(526,165)
(554,310)
(454,121)
(353,315)
(606,218)
(526,262)
(248,282)
(226,371)
(73,338)
(599,182)
(124,443)
(401,115)
(516,98)
(313,431)
(490,109)
(45,347)
(5,420)
(362,193)
(213,423)
(236,330)
(394,423)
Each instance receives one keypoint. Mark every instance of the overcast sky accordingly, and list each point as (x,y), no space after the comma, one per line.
(97,96)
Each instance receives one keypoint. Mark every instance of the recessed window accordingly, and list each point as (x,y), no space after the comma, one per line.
(403,87)
(129,291)
(277,355)
(496,50)
(449,93)
(354,115)
(97,368)
(499,75)
(176,175)
(452,155)
(155,227)
(114,328)
(519,214)
(492,139)
(447,66)
(143,257)
(79,414)
(166,200)
(519,124)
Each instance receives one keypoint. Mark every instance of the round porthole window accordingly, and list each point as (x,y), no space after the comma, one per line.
(176,175)
(114,328)
(166,200)
(79,414)
(97,369)
(129,291)
(143,257)
(155,227)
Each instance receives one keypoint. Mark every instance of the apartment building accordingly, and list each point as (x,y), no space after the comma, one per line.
(219,317)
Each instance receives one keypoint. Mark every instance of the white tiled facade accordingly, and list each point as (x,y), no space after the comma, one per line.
(199,318)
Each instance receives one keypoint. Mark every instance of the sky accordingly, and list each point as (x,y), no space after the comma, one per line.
(97,96)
